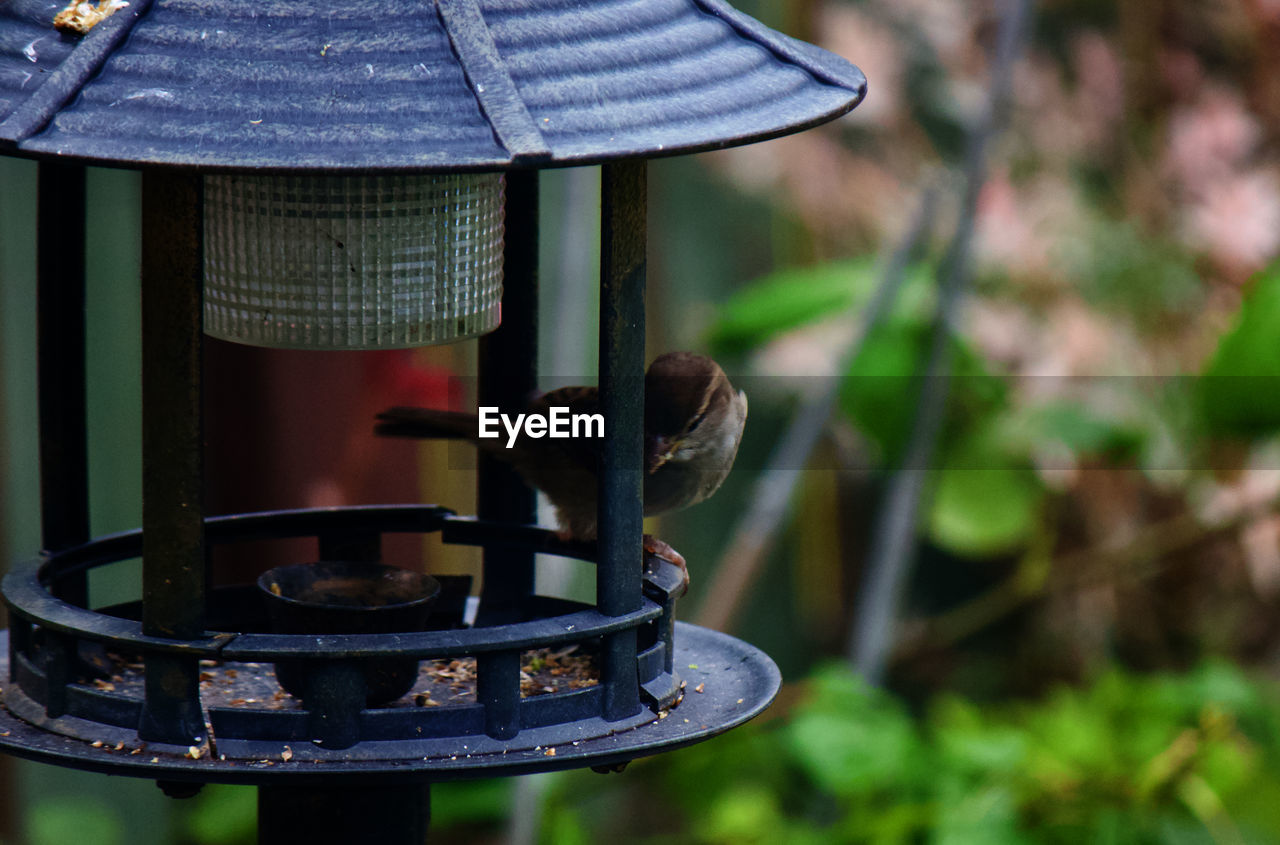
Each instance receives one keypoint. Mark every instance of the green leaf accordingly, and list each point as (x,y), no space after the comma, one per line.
(881,391)
(222,815)
(1239,391)
(852,739)
(986,500)
(745,814)
(969,744)
(983,816)
(562,824)
(79,819)
(984,512)
(470,801)
(1221,683)
(882,387)
(786,299)
(1082,431)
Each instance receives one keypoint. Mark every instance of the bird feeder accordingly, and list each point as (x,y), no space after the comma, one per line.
(360,175)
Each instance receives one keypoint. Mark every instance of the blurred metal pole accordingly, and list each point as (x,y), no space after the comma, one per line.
(894,536)
(757,530)
(575,296)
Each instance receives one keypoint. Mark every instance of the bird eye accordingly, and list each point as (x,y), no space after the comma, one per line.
(697,421)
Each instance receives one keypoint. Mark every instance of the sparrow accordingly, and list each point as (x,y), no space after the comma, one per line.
(693,423)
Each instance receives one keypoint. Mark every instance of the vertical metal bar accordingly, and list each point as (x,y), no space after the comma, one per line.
(621,482)
(20,635)
(498,689)
(334,695)
(58,651)
(174,556)
(389,814)
(60,320)
(667,631)
(508,377)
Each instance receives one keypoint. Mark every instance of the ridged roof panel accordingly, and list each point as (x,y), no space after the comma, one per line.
(29,49)
(475,84)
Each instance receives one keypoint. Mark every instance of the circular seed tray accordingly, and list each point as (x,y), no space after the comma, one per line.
(737,680)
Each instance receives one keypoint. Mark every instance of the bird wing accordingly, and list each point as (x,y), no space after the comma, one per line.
(577,452)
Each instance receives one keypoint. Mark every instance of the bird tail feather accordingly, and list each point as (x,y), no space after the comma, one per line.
(425,422)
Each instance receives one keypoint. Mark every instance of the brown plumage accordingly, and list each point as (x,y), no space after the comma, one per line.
(693,424)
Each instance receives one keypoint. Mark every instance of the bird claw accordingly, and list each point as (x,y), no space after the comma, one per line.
(653,547)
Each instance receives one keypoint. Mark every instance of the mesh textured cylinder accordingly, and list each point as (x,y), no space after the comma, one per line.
(352,262)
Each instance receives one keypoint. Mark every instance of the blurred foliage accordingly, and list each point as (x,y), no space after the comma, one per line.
(222,815)
(1129,759)
(1240,389)
(460,804)
(987,499)
(1185,758)
(788,299)
(1147,280)
(74,819)
(1105,488)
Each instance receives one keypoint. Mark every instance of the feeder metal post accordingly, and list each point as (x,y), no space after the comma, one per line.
(621,481)
(498,691)
(174,559)
(388,814)
(60,321)
(508,377)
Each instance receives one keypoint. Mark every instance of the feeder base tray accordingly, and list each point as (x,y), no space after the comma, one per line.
(737,682)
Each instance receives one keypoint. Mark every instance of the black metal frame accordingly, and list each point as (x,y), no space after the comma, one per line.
(490,117)
(738,680)
(64,459)
(40,674)
(175,569)
(631,628)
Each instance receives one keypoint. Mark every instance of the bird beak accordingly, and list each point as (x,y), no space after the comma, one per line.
(661,450)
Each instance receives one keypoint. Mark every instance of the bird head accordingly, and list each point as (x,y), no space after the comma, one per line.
(691,410)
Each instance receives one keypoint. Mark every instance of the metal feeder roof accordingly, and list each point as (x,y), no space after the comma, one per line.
(394,84)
